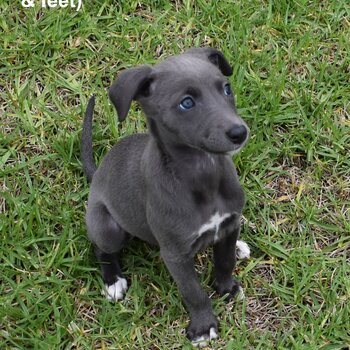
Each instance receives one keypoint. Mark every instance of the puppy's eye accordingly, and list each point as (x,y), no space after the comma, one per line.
(187,103)
(227,90)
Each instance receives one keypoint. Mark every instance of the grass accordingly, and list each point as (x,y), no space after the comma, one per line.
(291,78)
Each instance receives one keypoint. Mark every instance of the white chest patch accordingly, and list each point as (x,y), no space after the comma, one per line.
(213,224)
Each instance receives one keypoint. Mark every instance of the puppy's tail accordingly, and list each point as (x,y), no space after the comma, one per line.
(87,156)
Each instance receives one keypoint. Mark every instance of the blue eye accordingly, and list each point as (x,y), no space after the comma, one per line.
(227,89)
(187,103)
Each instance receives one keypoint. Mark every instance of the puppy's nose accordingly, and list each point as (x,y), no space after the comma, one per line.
(237,134)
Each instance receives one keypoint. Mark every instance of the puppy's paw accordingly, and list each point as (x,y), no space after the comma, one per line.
(202,329)
(242,250)
(202,341)
(117,290)
(231,288)
(240,295)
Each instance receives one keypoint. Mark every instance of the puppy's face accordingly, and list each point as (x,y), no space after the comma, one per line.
(187,99)
(191,103)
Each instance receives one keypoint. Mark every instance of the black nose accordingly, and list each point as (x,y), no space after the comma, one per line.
(237,134)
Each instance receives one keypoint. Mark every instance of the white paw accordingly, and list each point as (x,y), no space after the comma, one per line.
(242,250)
(117,290)
(202,341)
(240,295)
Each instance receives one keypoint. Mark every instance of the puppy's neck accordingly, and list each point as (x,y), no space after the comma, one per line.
(187,164)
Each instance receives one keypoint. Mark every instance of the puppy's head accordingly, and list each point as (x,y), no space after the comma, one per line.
(187,100)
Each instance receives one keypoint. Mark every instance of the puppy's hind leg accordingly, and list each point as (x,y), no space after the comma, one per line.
(108,239)
(115,283)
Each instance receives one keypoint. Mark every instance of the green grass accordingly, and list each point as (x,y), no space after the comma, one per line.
(291,78)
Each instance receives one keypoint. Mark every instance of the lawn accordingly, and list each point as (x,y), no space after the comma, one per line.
(291,68)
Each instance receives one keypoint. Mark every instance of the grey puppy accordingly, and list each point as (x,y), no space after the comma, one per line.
(176,186)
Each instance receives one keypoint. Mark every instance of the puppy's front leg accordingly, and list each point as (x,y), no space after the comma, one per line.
(203,324)
(225,262)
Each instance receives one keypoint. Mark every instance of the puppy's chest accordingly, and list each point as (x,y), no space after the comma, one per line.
(214,229)
(218,208)
(217,225)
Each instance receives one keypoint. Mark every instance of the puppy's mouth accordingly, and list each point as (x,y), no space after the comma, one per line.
(219,152)
(230,151)
(237,148)
(229,143)
(235,151)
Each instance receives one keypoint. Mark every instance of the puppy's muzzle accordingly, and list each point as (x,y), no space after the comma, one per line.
(237,134)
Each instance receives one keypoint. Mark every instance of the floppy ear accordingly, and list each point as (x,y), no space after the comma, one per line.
(129,84)
(214,56)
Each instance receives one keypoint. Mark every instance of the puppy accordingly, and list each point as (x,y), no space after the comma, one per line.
(175,186)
